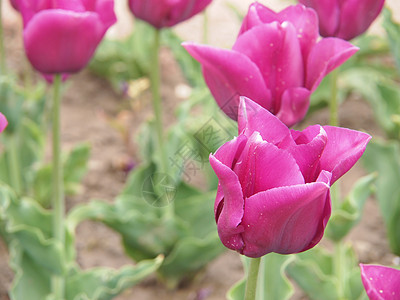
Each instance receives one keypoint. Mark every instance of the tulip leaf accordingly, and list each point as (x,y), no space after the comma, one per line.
(272,281)
(323,276)
(349,212)
(383,157)
(393,32)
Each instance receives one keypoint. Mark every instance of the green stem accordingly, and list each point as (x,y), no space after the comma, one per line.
(252,278)
(2,50)
(205,27)
(14,168)
(334,103)
(157,107)
(58,188)
(339,269)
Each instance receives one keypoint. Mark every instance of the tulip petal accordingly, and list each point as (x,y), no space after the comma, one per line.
(59,41)
(257,14)
(228,81)
(253,117)
(287,219)
(105,9)
(275,49)
(342,151)
(294,105)
(356,16)
(183,10)
(230,210)
(381,283)
(326,55)
(3,122)
(263,166)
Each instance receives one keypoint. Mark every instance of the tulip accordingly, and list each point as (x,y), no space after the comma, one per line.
(273,193)
(345,19)
(276,61)
(3,122)
(381,283)
(166,13)
(61,36)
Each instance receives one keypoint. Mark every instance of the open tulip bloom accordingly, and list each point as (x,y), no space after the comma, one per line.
(166,13)
(345,19)
(277,61)
(61,36)
(381,283)
(273,193)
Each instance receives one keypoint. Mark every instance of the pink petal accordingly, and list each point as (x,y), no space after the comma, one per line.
(185,9)
(287,219)
(275,49)
(263,166)
(60,41)
(356,16)
(72,5)
(342,151)
(230,210)
(258,14)
(327,55)
(105,9)
(294,105)
(3,122)
(253,117)
(381,283)
(328,13)
(228,81)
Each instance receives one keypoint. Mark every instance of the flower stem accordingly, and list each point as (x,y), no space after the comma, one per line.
(14,168)
(334,103)
(340,272)
(58,204)
(2,50)
(252,278)
(205,27)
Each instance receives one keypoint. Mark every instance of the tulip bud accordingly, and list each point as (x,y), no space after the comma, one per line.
(345,19)
(277,61)
(166,13)
(3,122)
(273,193)
(62,36)
(381,282)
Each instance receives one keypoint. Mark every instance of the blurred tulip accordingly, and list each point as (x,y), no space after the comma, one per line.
(14,4)
(166,13)
(381,283)
(345,19)
(61,36)
(3,122)
(276,61)
(273,193)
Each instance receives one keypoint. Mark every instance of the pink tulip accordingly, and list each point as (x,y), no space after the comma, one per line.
(276,61)
(3,122)
(273,193)
(345,19)
(381,283)
(14,4)
(61,36)
(166,13)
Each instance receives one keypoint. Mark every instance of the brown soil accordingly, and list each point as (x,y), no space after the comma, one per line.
(88,104)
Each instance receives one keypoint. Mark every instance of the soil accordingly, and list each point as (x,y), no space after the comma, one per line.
(89,105)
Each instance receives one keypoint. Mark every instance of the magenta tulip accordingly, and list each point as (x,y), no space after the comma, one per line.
(381,283)
(276,61)
(345,19)
(273,193)
(166,13)
(61,36)
(3,122)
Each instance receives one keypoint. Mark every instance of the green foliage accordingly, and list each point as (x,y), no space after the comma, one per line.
(273,283)
(75,167)
(384,158)
(393,33)
(323,278)
(350,209)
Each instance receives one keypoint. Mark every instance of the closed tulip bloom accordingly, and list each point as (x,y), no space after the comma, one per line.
(166,13)
(277,61)
(273,193)
(345,19)
(3,122)
(381,283)
(61,36)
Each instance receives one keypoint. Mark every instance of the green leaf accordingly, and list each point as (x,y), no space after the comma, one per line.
(105,283)
(272,284)
(393,33)
(349,212)
(383,157)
